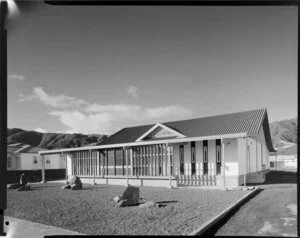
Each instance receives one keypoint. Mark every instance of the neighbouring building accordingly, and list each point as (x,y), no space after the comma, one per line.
(221,151)
(25,158)
(283,162)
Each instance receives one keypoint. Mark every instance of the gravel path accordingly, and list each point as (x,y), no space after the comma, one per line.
(92,211)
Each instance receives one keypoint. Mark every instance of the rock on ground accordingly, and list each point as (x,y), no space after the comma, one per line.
(75,183)
(122,203)
(117,198)
(67,186)
(132,195)
(76,186)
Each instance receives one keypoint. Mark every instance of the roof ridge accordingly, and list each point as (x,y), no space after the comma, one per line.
(164,123)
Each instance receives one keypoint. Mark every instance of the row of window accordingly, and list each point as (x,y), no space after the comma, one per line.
(152,160)
(146,161)
(205,157)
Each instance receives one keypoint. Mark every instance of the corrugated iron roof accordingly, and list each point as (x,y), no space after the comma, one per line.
(240,122)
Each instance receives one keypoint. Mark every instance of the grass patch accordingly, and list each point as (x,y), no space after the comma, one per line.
(92,211)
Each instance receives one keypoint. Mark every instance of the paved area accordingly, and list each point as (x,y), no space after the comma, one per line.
(272,212)
(18,228)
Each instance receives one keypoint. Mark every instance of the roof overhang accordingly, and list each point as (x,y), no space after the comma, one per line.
(140,143)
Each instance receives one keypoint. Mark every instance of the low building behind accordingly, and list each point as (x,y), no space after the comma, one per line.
(23,158)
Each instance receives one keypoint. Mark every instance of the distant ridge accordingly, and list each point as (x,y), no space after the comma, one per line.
(284,136)
(52,140)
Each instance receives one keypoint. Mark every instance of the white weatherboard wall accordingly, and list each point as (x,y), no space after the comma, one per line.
(265,152)
(252,155)
(56,162)
(231,163)
(26,161)
(14,161)
(231,157)
(242,155)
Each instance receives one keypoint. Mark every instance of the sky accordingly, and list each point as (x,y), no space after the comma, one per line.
(98,69)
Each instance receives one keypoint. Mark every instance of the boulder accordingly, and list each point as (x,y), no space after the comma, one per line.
(23,188)
(148,204)
(132,195)
(122,203)
(23,179)
(117,198)
(75,180)
(75,183)
(67,186)
(13,186)
(76,186)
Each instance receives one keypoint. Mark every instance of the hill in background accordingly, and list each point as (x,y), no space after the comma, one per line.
(284,136)
(52,140)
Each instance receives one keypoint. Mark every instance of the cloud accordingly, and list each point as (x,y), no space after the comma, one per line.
(40,130)
(78,122)
(106,119)
(16,77)
(80,116)
(133,91)
(24,98)
(57,101)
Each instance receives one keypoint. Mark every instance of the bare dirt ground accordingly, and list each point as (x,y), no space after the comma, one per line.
(272,212)
(92,210)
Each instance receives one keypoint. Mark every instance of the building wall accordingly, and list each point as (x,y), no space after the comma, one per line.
(56,162)
(231,157)
(282,162)
(265,152)
(24,161)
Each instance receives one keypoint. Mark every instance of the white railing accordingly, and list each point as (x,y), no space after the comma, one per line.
(196,180)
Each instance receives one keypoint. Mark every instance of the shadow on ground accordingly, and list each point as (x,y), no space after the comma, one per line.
(279,177)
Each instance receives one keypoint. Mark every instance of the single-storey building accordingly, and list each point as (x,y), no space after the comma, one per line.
(217,151)
(21,156)
(283,162)
(24,158)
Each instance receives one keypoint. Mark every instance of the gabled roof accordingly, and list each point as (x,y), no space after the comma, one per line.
(161,126)
(240,122)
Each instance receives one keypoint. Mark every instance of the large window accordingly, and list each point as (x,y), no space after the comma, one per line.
(181,159)
(218,156)
(193,157)
(119,162)
(205,157)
